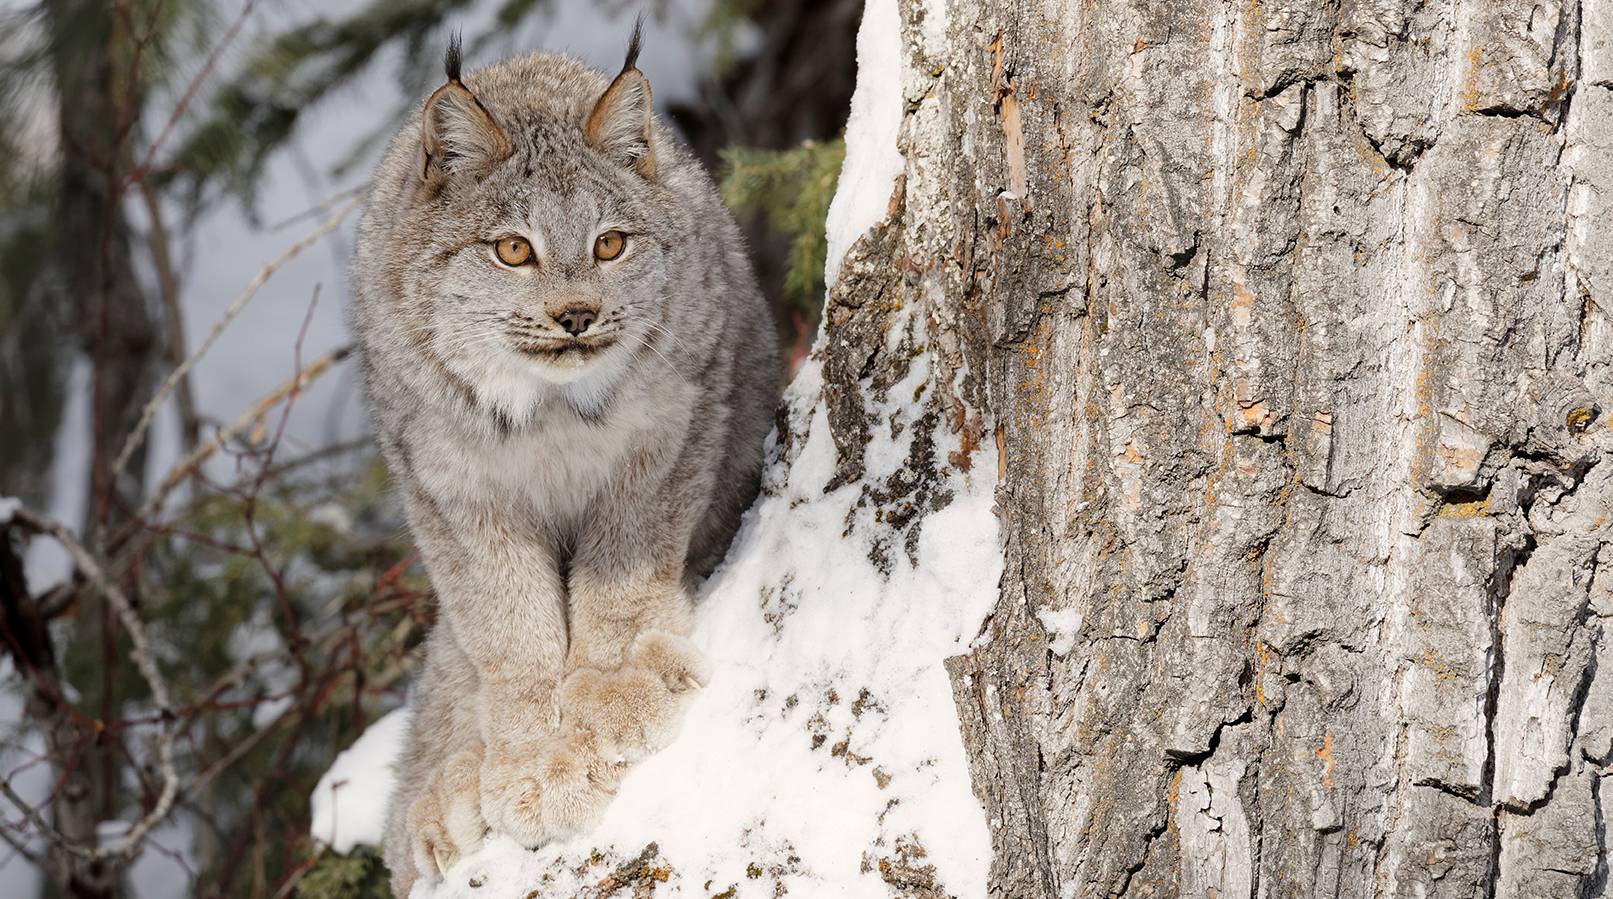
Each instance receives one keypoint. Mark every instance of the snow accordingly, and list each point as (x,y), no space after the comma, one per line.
(349,803)
(873,162)
(8,507)
(1062,626)
(933,27)
(827,741)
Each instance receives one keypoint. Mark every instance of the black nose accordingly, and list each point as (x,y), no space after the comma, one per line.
(576,320)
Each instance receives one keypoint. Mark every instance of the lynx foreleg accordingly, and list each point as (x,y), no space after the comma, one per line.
(435,813)
(500,592)
(631,668)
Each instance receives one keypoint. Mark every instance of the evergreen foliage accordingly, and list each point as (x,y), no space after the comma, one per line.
(358,875)
(791,189)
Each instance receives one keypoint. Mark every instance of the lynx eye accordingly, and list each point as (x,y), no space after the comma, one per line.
(609,245)
(513,251)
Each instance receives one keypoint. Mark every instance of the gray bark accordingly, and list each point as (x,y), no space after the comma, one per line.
(1292,322)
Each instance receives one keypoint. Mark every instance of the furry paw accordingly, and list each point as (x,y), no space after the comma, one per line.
(511,795)
(636,709)
(539,792)
(674,659)
(578,782)
(444,822)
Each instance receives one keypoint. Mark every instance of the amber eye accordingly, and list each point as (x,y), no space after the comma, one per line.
(609,245)
(513,251)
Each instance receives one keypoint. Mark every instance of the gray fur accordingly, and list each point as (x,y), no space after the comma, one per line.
(563,505)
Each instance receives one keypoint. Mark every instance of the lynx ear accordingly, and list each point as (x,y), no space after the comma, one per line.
(619,126)
(457,132)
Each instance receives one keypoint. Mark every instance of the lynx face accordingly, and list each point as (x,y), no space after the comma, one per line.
(549,287)
(548,266)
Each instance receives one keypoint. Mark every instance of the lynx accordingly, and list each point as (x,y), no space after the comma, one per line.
(571,372)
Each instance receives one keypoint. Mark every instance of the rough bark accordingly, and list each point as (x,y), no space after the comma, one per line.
(1291,321)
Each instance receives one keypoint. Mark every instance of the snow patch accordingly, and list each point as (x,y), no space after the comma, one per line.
(349,803)
(934,27)
(8,508)
(873,162)
(333,516)
(1062,627)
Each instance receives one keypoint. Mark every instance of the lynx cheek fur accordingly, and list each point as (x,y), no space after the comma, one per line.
(572,372)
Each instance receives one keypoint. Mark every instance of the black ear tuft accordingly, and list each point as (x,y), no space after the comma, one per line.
(633,45)
(620,125)
(450,59)
(457,133)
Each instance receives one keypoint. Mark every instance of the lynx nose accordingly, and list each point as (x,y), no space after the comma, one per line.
(576,319)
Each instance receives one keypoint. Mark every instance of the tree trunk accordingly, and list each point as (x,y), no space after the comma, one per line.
(94,54)
(1291,323)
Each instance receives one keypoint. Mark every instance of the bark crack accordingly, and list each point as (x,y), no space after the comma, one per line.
(1595,883)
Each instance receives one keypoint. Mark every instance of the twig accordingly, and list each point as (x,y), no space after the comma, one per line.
(318,208)
(192,89)
(140,651)
(33,815)
(240,750)
(137,435)
(168,285)
(276,577)
(252,416)
(18,849)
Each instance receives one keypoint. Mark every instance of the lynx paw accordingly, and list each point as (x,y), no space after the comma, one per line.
(444,821)
(674,659)
(578,781)
(635,709)
(539,792)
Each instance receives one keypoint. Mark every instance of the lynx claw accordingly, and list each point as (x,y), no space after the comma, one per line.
(434,854)
(444,821)
(675,659)
(445,857)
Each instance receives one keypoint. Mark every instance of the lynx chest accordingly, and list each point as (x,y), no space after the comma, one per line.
(549,470)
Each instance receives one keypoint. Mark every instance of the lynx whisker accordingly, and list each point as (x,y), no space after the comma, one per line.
(664,360)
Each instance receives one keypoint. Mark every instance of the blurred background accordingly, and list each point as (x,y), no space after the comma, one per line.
(185,431)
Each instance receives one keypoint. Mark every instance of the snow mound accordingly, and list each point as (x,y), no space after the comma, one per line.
(349,802)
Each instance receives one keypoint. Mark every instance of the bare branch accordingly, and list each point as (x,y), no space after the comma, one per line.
(137,436)
(248,419)
(38,820)
(140,652)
